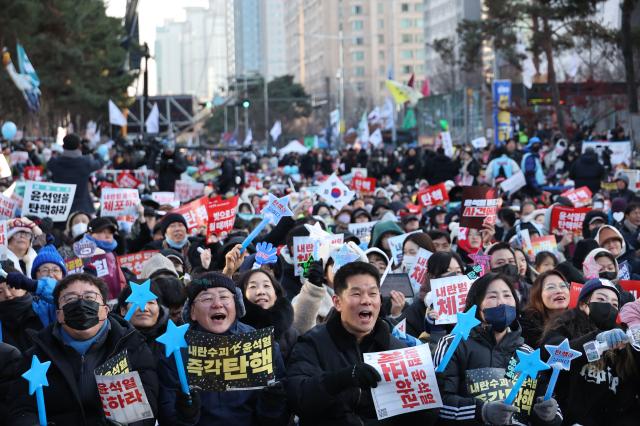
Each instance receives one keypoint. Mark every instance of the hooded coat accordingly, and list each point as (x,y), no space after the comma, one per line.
(628,256)
(381,228)
(587,171)
(625,296)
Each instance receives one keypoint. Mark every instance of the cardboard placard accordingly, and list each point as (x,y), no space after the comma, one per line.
(433,195)
(135,261)
(450,297)
(195,213)
(568,219)
(46,199)
(479,206)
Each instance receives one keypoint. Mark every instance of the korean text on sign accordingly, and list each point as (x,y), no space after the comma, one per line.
(119,202)
(303,249)
(568,219)
(219,363)
(419,270)
(195,214)
(580,197)
(433,195)
(450,297)
(408,381)
(363,185)
(8,207)
(134,261)
(44,199)
(123,398)
(222,215)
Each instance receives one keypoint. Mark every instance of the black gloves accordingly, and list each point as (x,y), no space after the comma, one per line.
(497,413)
(188,406)
(315,274)
(363,376)
(20,281)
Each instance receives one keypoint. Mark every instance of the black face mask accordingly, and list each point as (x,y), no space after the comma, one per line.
(81,314)
(508,270)
(608,275)
(603,315)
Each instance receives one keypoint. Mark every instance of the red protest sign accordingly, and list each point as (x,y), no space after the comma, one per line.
(127,180)
(195,213)
(134,261)
(364,185)
(33,173)
(574,293)
(222,215)
(433,195)
(253,181)
(74,265)
(479,206)
(579,196)
(632,286)
(568,219)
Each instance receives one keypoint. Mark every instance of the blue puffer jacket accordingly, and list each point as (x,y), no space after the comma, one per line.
(241,408)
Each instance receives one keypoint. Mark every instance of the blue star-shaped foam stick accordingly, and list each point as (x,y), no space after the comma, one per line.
(342,257)
(560,359)
(276,209)
(528,366)
(466,321)
(173,340)
(266,253)
(37,378)
(140,295)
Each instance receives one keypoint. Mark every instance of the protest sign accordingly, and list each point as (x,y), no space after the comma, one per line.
(359,172)
(624,272)
(544,243)
(568,219)
(222,215)
(482,260)
(632,286)
(574,293)
(620,151)
(451,296)
(119,202)
(46,199)
(134,261)
(19,157)
(395,244)
(127,180)
(195,213)
(186,191)
(408,381)
(363,185)
(433,195)
(229,362)
(634,178)
(580,197)
(362,230)
(163,198)
(106,269)
(447,143)
(123,398)
(73,265)
(303,249)
(5,169)
(8,207)
(419,270)
(479,206)
(117,364)
(33,173)
(3,240)
(84,247)
(514,183)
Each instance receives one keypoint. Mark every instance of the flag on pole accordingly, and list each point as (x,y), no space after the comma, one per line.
(248,138)
(376,138)
(153,121)
(374,115)
(402,93)
(116,117)
(387,114)
(25,79)
(335,192)
(411,80)
(409,121)
(363,129)
(276,130)
(334,120)
(426,89)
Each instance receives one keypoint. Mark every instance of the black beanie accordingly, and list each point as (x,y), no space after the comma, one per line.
(71,142)
(172,218)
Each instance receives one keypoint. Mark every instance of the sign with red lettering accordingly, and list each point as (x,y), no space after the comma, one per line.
(222,215)
(574,293)
(580,197)
(253,181)
(303,249)
(364,185)
(134,261)
(8,207)
(568,219)
(419,270)
(186,191)
(479,206)
(118,202)
(632,286)
(124,400)
(433,195)
(195,213)
(127,180)
(450,297)
(3,240)
(74,265)
(33,173)
(408,381)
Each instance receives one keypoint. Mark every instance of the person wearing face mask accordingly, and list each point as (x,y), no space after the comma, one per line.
(101,231)
(503,260)
(77,223)
(604,391)
(532,168)
(601,262)
(410,248)
(81,339)
(489,355)
(175,230)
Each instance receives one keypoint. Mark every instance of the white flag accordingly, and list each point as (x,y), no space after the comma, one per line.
(335,192)
(248,139)
(334,120)
(374,115)
(153,121)
(376,138)
(276,130)
(363,129)
(387,114)
(116,117)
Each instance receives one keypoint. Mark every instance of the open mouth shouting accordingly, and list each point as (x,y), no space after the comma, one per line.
(218,317)
(365,315)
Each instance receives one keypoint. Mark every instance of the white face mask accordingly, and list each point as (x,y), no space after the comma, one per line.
(78,229)
(408,262)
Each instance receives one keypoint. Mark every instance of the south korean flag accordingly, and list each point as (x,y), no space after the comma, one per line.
(335,192)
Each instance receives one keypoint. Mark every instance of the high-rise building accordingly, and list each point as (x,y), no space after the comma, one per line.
(273,40)
(248,40)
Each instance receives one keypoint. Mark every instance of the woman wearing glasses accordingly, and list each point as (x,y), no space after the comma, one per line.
(549,297)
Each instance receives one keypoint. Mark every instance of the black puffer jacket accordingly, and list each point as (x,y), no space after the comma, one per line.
(587,171)
(18,320)
(477,362)
(10,363)
(72,395)
(328,348)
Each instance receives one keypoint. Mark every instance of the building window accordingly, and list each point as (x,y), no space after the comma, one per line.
(419,38)
(404,7)
(360,86)
(406,54)
(356,10)
(418,7)
(382,85)
(420,69)
(407,38)
(382,70)
(418,23)
(359,41)
(420,54)
(380,7)
(407,69)
(381,38)
(406,23)
(359,71)
(381,55)
(358,56)
(357,25)
(380,23)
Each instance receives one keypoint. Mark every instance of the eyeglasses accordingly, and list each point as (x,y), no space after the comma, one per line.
(90,296)
(556,286)
(50,271)
(210,300)
(23,234)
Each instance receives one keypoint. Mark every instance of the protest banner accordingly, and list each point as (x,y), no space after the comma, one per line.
(134,261)
(450,297)
(123,398)
(195,213)
(632,286)
(46,199)
(8,207)
(127,180)
(73,265)
(359,172)
(18,157)
(119,202)
(568,219)
(408,381)
(395,244)
(3,240)
(479,206)
(634,178)
(502,129)
(303,249)
(580,197)
(222,215)
(362,230)
(574,293)
(433,195)
(230,362)
(33,173)
(419,270)
(620,151)
(363,185)
(514,183)
(186,191)
(544,243)
(106,268)
(163,198)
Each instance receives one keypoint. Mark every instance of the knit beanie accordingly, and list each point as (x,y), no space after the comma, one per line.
(595,284)
(212,280)
(172,218)
(48,254)
(157,263)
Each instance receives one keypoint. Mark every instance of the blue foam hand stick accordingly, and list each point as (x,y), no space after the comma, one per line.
(276,209)
(37,378)
(173,340)
(266,253)
(466,321)
(140,295)
(528,366)
(560,359)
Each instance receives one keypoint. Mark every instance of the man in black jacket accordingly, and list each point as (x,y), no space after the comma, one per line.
(328,382)
(169,165)
(82,339)
(588,171)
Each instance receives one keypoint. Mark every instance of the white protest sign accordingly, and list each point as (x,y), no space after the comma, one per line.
(408,381)
(447,144)
(123,398)
(119,202)
(620,151)
(359,172)
(47,199)
(362,230)
(419,270)
(450,297)
(479,143)
(513,183)
(8,207)
(19,157)
(165,198)
(303,249)
(186,191)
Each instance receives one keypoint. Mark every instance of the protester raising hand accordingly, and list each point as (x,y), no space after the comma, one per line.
(487,232)
(233,260)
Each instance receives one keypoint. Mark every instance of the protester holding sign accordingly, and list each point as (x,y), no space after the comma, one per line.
(75,229)
(602,392)
(215,306)
(328,383)
(481,371)
(101,232)
(82,339)
(600,263)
